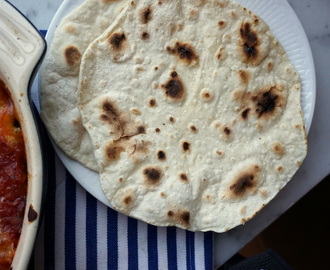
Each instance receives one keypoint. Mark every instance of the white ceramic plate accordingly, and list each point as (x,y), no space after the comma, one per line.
(286,27)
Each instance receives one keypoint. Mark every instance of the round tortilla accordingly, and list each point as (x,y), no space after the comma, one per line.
(193,109)
(60,73)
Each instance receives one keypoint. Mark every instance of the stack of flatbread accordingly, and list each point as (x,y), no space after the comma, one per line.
(189,110)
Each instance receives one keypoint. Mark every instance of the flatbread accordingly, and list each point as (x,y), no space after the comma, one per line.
(60,73)
(193,109)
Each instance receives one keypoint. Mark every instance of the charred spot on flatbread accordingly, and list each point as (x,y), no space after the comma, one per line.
(113,151)
(193,128)
(183,177)
(145,15)
(141,130)
(174,88)
(111,115)
(221,24)
(170,213)
(161,155)
(270,66)
(218,152)
(278,149)
(185,146)
(145,35)
(184,52)
(245,182)
(220,54)
(116,147)
(180,216)
(206,95)
(72,55)
(250,44)
(171,119)
(267,102)
(184,218)
(174,74)
(152,102)
(120,48)
(244,76)
(117,41)
(152,175)
(110,110)
(227,131)
(279,169)
(128,200)
(120,124)
(245,113)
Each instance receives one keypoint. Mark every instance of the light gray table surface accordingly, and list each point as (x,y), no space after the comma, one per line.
(314,16)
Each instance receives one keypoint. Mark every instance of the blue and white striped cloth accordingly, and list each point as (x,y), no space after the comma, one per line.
(79,232)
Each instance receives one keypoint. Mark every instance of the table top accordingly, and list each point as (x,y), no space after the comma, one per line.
(315,20)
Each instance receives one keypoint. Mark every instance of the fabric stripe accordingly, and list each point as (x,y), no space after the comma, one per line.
(122,242)
(208,250)
(143,242)
(181,248)
(171,248)
(190,250)
(152,247)
(162,247)
(102,229)
(49,219)
(112,235)
(132,243)
(81,228)
(43,32)
(70,223)
(199,250)
(91,232)
(60,216)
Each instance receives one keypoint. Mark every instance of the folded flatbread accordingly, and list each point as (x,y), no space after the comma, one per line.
(60,73)
(193,110)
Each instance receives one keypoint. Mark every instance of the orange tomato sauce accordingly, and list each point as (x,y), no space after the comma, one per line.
(13,178)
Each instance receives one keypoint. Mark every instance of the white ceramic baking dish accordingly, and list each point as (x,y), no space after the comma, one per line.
(21,51)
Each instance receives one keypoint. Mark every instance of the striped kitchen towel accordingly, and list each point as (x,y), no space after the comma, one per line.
(79,232)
